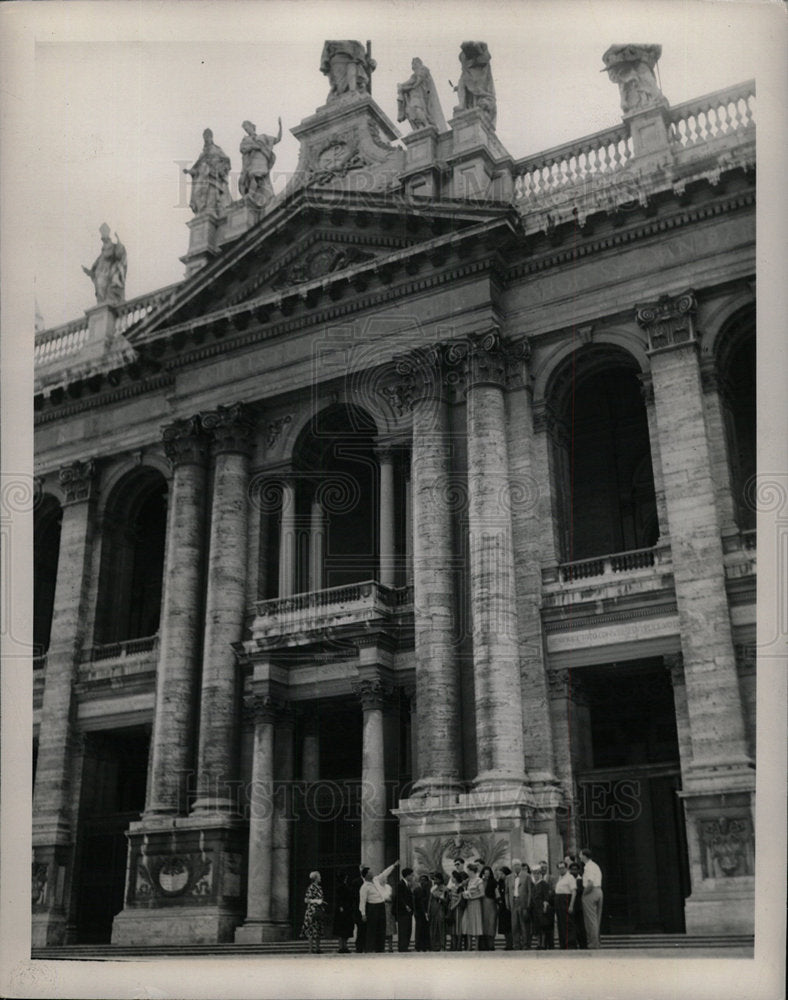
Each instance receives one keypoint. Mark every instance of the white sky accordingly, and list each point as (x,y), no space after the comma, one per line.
(124,91)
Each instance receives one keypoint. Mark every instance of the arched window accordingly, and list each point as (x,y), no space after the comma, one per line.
(46,547)
(736,368)
(603,479)
(132,560)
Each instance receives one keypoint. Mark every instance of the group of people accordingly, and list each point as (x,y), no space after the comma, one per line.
(464,911)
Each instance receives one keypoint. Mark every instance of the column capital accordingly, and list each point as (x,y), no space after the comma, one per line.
(79,481)
(232,428)
(492,360)
(564,683)
(184,442)
(261,708)
(669,321)
(373,693)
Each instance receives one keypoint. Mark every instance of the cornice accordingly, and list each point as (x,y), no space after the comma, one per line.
(54,412)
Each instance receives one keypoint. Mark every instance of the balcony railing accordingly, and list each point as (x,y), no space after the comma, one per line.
(611,566)
(713,116)
(332,607)
(119,650)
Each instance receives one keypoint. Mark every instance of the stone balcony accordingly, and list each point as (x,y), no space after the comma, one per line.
(304,619)
(125,665)
(635,573)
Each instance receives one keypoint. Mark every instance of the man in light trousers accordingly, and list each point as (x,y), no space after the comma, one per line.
(592,897)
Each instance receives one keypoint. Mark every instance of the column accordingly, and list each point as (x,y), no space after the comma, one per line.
(283,792)
(310,773)
(179,640)
(373,694)
(287,539)
(496,662)
(52,796)
(317,545)
(530,552)
(713,701)
(386,558)
(408,526)
(261,822)
(647,391)
(232,431)
(437,673)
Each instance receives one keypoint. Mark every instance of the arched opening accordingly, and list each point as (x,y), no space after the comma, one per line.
(46,552)
(736,366)
(603,478)
(337,489)
(132,561)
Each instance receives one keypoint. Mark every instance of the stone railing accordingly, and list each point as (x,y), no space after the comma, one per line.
(544,177)
(120,650)
(714,116)
(65,342)
(335,606)
(611,566)
(740,554)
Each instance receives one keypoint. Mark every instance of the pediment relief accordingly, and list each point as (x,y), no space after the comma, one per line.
(321,260)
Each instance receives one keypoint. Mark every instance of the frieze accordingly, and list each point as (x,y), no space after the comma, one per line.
(324,260)
(727,846)
(78,481)
(335,157)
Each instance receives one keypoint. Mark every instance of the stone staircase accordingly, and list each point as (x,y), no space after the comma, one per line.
(641,943)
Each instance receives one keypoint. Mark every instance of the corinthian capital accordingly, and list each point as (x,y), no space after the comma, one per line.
(231,427)
(669,321)
(184,442)
(78,481)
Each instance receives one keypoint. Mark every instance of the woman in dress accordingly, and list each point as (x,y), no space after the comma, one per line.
(344,912)
(472,926)
(313,915)
(438,905)
(504,914)
(489,910)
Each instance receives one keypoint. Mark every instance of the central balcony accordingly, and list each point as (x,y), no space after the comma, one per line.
(305,618)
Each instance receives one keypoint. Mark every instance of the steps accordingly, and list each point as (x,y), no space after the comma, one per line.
(108,952)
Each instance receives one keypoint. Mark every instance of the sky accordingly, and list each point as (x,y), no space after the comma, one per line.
(122,93)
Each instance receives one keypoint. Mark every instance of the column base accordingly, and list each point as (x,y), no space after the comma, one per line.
(258,931)
(47,929)
(440,786)
(722,909)
(184,925)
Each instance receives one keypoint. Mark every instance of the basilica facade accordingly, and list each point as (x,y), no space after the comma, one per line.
(414,522)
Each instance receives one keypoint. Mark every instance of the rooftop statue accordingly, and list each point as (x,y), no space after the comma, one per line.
(476,88)
(349,67)
(258,157)
(210,191)
(417,100)
(632,68)
(108,272)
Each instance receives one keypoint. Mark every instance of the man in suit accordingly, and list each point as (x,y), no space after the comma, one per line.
(402,905)
(357,919)
(518,891)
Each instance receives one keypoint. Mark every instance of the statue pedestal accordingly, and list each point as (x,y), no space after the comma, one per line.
(421,175)
(186,881)
(480,165)
(203,241)
(649,129)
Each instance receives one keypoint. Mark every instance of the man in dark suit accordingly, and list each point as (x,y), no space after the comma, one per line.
(360,924)
(402,905)
(518,898)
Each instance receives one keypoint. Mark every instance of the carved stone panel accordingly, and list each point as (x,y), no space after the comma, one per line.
(727,846)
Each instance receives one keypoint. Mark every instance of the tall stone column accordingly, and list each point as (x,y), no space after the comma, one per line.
(437,674)
(373,696)
(261,923)
(408,491)
(317,545)
(232,429)
(386,558)
(284,758)
(647,391)
(719,781)
(496,662)
(287,539)
(52,796)
(179,641)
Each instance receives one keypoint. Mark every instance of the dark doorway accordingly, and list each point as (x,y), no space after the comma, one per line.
(632,817)
(46,548)
(113,795)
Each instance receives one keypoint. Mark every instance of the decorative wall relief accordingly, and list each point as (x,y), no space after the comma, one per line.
(727,847)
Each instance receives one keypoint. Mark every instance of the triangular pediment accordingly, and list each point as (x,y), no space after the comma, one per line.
(308,240)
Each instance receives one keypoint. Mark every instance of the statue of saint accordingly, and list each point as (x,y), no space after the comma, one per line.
(258,157)
(476,88)
(108,273)
(210,191)
(349,67)
(417,100)
(632,68)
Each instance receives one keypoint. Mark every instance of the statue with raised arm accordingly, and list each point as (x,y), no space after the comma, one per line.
(210,190)
(632,68)
(476,88)
(348,66)
(417,100)
(108,272)
(257,159)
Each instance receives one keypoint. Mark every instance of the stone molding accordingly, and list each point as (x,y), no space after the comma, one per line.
(185,443)
(232,428)
(669,321)
(78,481)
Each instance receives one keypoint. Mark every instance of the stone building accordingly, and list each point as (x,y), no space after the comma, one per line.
(411,523)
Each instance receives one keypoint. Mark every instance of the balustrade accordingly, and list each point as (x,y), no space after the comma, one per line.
(713,116)
(609,565)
